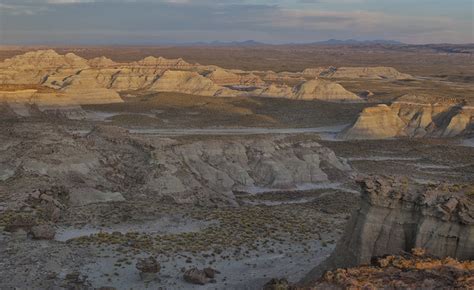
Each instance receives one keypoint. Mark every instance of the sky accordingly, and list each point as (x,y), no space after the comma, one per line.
(269,21)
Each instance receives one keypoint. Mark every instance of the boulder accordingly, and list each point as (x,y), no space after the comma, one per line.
(210,272)
(85,196)
(195,276)
(43,232)
(200,277)
(148,268)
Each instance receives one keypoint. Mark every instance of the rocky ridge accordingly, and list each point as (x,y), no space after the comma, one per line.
(100,80)
(414,270)
(395,216)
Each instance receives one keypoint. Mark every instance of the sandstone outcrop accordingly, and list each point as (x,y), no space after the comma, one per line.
(31,67)
(189,83)
(407,271)
(223,77)
(412,117)
(227,78)
(324,90)
(317,89)
(163,63)
(377,122)
(366,73)
(84,88)
(395,216)
(275,91)
(101,62)
(98,81)
(133,78)
(44,59)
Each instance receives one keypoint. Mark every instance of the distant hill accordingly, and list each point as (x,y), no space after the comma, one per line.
(230,43)
(325,42)
(356,42)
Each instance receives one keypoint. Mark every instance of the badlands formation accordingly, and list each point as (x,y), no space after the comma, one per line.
(79,81)
(162,173)
(413,116)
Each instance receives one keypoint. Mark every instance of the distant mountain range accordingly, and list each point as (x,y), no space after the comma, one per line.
(230,43)
(357,42)
(325,42)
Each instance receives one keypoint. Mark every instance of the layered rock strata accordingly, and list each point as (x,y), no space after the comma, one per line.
(394,217)
(100,79)
(412,116)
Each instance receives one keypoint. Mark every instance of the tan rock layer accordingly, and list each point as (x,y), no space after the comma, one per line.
(408,117)
(99,79)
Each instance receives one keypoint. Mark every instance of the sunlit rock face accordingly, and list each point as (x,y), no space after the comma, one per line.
(413,116)
(99,80)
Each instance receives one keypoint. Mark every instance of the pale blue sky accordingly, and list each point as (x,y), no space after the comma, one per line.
(272,21)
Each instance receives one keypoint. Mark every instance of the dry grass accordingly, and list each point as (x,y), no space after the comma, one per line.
(181,110)
(385,91)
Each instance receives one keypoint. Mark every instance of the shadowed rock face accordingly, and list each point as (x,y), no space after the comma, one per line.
(110,165)
(395,217)
(410,116)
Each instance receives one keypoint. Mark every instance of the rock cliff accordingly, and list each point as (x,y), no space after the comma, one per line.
(395,216)
(413,116)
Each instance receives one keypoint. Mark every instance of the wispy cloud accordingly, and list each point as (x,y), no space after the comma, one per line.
(68,1)
(194,20)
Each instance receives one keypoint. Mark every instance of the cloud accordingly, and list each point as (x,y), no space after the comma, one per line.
(68,1)
(276,21)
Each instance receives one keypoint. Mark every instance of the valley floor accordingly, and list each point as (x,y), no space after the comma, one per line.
(273,233)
